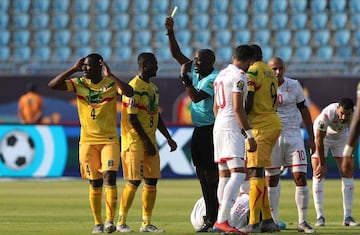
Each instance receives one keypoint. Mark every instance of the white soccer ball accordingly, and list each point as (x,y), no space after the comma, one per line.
(17,150)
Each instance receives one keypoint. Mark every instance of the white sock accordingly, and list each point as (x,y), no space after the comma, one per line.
(318,196)
(274,198)
(347,188)
(222,183)
(230,194)
(302,202)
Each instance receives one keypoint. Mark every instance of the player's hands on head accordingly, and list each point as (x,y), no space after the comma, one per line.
(79,64)
(106,68)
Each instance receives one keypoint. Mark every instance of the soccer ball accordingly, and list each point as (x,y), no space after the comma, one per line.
(16,150)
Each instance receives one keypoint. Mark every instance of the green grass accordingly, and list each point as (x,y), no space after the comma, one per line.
(61,207)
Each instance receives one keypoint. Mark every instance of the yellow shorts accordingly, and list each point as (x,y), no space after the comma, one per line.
(265,142)
(96,158)
(137,165)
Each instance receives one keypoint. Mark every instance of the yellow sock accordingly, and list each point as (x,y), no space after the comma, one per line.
(255,199)
(95,196)
(265,210)
(148,203)
(110,202)
(127,198)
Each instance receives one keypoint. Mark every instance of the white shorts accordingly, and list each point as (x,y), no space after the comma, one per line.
(334,144)
(289,151)
(239,214)
(228,145)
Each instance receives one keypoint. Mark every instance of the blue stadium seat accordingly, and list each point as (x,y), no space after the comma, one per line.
(81,21)
(354,21)
(120,6)
(21,37)
(183,37)
(160,6)
(140,6)
(4,6)
(284,52)
(319,21)
(105,52)
(161,39)
(356,38)
(60,6)
(302,37)
(242,36)
(279,21)
(339,20)
(219,21)
(22,53)
(5,37)
(62,37)
(4,20)
(181,4)
(21,5)
(224,54)
(262,37)
(299,21)
(81,6)
(222,37)
(303,53)
(120,21)
(60,20)
(201,38)
(140,21)
(102,21)
(279,6)
(267,52)
(181,21)
(318,6)
(103,38)
(41,54)
(324,53)
(342,37)
(260,6)
(200,21)
(354,6)
(337,5)
(21,21)
(81,37)
(144,49)
(4,53)
(123,38)
(40,5)
(260,21)
(187,51)
(42,37)
(40,21)
(321,37)
(142,38)
(82,51)
(298,6)
(239,21)
(163,54)
(219,6)
(201,6)
(102,6)
(283,37)
(61,54)
(239,6)
(123,53)
(344,53)
(157,21)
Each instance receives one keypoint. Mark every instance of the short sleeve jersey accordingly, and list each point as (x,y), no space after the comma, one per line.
(96,109)
(230,80)
(263,82)
(290,93)
(328,121)
(202,111)
(145,104)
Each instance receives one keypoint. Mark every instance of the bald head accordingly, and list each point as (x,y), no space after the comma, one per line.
(277,66)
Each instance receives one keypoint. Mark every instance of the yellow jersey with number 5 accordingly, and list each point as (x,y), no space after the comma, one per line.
(263,82)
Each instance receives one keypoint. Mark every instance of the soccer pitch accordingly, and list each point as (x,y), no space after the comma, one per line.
(60,206)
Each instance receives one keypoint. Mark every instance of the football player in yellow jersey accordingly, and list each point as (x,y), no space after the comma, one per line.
(261,104)
(140,155)
(99,151)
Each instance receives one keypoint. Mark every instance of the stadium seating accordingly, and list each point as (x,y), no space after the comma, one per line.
(319,21)
(81,38)
(60,20)
(299,21)
(278,6)
(199,6)
(123,38)
(142,38)
(321,37)
(81,6)
(183,37)
(298,6)
(140,21)
(284,52)
(160,6)
(356,39)
(239,21)
(222,37)
(338,21)
(163,54)
(102,21)
(42,54)
(140,6)
(119,6)
(4,19)
(62,37)
(123,53)
(242,37)
(120,21)
(21,5)
(157,21)
(22,54)
(239,6)
(5,37)
(21,21)
(260,21)
(262,37)
(354,6)
(81,21)
(343,53)
(21,37)
(224,54)
(282,37)
(102,6)
(318,6)
(61,54)
(259,6)
(279,21)
(201,39)
(303,53)
(4,53)
(219,6)
(324,53)
(40,5)
(161,39)
(42,37)
(337,5)
(342,37)
(40,21)
(105,52)
(103,38)
(61,6)
(181,21)
(182,5)
(4,6)
(267,52)
(200,21)
(354,21)
(219,21)
(302,37)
